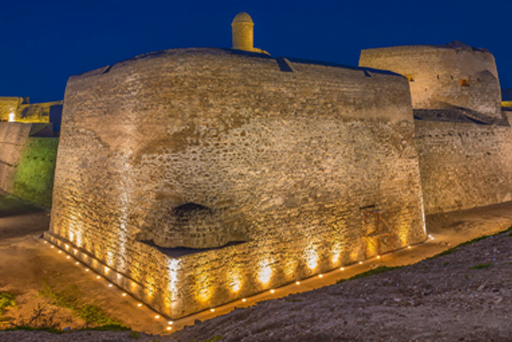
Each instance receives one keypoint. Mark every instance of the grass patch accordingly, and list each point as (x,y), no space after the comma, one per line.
(134,334)
(7,300)
(116,328)
(446,263)
(216,338)
(377,270)
(70,298)
(480,266)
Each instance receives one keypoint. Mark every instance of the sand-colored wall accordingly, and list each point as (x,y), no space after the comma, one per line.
(202,147)
(464,165)
(436,72)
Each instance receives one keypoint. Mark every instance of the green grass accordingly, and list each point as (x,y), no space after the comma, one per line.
(377,270)
(216,338)
(134,334)
(480,266)
(70,298)
(116,328)
(7,300)
(446,263)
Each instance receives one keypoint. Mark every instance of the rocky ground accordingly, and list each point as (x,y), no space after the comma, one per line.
(461,296)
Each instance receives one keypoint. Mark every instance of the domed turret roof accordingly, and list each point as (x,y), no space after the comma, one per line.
(242,17)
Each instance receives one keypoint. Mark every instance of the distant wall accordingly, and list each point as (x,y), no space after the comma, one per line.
(8,107)
(443,76)
(464,165)
(27,162)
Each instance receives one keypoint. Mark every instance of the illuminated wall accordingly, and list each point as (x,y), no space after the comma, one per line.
(19,109)
(442,77)
(200,176)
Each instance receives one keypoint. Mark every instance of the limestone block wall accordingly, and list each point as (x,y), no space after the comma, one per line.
(8,107)
(464,165)
(443,76)
(27,162)
(35,112)
(195,177)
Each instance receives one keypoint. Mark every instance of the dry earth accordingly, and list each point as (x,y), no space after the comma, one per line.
(439,299)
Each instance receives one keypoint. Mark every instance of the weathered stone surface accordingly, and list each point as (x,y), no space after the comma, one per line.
(199,148)
(27,161)
(463,138)
(438,75)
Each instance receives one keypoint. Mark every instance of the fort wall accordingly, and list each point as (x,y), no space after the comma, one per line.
(195,177)
(442,77)
(464,165)
(27,161)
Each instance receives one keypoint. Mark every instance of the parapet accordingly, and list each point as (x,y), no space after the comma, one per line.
(444,76)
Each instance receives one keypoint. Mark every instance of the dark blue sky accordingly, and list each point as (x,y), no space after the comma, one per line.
(46,41)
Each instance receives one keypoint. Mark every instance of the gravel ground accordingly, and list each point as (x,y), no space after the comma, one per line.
(439,299)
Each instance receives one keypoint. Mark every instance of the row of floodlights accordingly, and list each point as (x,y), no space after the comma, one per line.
(272,291)
(110,285)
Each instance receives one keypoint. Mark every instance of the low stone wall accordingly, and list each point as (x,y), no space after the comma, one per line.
(464,165)
(27,162)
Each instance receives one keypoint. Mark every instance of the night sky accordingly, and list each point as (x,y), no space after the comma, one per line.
(46,41)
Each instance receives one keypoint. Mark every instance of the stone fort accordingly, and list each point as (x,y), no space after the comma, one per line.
(196,177)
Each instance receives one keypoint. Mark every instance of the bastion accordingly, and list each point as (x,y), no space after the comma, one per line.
(463,138)
(195,177)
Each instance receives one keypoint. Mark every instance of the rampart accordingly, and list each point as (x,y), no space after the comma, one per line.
(195,177)
(464,164)
(443,77)
(28,153)
(19,109)
(463,138)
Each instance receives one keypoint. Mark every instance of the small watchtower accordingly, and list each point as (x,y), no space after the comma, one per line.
(243,33)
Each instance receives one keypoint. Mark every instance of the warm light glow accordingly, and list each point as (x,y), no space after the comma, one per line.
(360,262)
(68,257)
(76,263)
(53,246)
(342,268)
(297,282)
(60,252)
(124,295)
(67,246)
(86,270)
(244,300)
(169,328)
(311,259)
(45,241)
(320,275)
(378,256)
(272,291)
(170,322)
(265,272)
(98,277)
(12,117)
(157,317)
(212,310)
(110,285)
(409,247)
(139,305)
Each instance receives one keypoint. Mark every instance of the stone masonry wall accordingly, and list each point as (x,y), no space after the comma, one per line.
(27,163)
(438,75)
(201,176)
(8,106)
(464,165)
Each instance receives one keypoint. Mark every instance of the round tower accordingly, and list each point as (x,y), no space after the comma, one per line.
(243,32)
